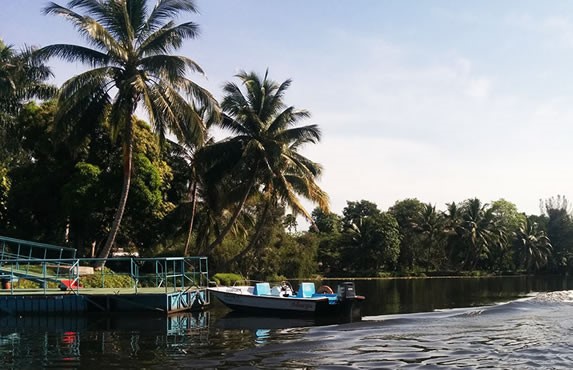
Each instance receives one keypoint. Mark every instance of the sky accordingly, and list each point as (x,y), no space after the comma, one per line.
(436,100)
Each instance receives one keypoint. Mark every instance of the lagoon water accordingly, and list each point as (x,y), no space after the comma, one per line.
(471,323)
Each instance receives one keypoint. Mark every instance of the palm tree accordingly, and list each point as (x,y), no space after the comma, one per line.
(454,245)
(430,224)
(22,78)
(264,150)
(131,66)
(533,247)
(478,230)
(189,150)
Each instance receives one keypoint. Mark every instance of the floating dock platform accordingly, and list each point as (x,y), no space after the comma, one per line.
(34,283)
(32,301)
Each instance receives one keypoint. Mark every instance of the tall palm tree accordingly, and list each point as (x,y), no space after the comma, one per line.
(189,151)
(454,246)
(264,150)
(532,246)
(430,224)
(478,230)
(132,66)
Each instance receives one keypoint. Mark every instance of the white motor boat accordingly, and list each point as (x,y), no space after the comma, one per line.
(282,299)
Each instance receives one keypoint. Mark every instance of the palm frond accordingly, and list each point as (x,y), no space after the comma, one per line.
(81,86)
(168,38)
(73,53)
(200,95)
(94,7)
(234,102)
(274,102)
(309,190)
(40,91)
(298,136)
(170,111)
(80,97)
(289,195)
(286,118)
(137,13)
(166,9)
(170,67)
(307,167)
(118,22)
(92,31)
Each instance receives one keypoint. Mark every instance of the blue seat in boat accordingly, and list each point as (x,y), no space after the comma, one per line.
(332,298)
(262,289)
(305,290)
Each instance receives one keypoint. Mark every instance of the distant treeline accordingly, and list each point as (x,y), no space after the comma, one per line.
(414,238)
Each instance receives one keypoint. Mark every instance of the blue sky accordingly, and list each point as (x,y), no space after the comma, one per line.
(438,100)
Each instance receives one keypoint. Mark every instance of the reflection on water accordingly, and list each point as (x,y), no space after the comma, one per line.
(433,323)
(415,295)
(83,340)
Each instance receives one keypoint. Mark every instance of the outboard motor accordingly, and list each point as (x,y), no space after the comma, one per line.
(346,291)
(350,303)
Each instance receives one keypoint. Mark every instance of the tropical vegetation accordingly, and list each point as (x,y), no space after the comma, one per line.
(82,166)
(132,66)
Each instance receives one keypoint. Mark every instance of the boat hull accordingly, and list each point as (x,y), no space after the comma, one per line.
(277,305)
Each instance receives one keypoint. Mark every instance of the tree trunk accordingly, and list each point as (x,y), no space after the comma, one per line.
(193,205)
(255,237)
(233,219)
(127,164)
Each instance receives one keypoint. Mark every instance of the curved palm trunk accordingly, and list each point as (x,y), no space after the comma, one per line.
(127,164)
(255,237)
(193,207)
(233,219)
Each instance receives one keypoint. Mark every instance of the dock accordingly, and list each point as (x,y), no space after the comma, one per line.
(46,279)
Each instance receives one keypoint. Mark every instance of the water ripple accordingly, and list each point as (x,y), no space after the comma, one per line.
(520,336)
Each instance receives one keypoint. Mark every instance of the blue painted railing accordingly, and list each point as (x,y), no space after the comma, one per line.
(169,273)
(46,265)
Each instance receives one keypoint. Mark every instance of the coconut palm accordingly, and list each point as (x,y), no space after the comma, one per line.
(188,150)
(264,151)
(478,230)
(132,66)
(532,246)
(430,224)
(21,78)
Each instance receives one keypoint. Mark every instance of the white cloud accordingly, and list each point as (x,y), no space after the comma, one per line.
(394,129)
(479,88)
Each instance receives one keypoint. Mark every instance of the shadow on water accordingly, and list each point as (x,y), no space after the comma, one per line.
(235,320)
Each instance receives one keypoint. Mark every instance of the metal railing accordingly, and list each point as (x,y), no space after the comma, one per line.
(73,274)
(25,249)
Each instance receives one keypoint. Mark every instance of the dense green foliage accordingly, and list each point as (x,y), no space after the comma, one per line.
(67,166)
(130,56)
(415,238)
(223,278)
